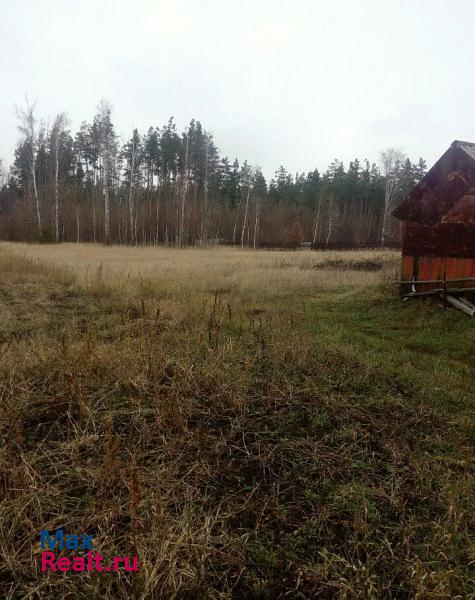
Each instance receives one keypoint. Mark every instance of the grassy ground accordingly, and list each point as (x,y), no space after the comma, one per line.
(250,424)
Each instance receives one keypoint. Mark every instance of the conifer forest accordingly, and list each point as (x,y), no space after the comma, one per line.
(164,186)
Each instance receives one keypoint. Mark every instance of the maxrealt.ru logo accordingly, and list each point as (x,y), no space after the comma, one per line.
(92,561)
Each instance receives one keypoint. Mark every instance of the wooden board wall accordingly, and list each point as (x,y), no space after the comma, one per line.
(433,267)
(455,240)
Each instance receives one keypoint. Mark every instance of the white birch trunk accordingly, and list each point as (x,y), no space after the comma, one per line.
(106,200)
(243,230)
(56,195)
(317,219)
(27,127)
(133,231)
(204,217)
(181,234)
(58,128)
(35,194)
(388,200)
(236,220)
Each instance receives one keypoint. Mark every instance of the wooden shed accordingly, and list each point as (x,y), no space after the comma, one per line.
(438,222)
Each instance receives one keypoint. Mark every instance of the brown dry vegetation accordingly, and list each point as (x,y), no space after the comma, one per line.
(251,424)
(229,269)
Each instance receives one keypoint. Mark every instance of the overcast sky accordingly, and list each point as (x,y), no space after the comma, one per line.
(293,82)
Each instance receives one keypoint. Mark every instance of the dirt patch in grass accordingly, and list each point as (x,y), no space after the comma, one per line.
(338,264)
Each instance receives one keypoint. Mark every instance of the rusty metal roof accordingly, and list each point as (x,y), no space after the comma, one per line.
(447,181)
(438,214)
(468,147)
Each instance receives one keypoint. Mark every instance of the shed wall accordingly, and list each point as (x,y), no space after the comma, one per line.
(454,240)
(433,267)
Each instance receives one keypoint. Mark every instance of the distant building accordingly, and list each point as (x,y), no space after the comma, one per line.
(438,220)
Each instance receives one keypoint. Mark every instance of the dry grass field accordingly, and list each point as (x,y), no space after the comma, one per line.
(228,270)
(251,424)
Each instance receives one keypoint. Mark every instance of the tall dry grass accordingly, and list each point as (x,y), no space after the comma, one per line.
(256,425)
(206,270)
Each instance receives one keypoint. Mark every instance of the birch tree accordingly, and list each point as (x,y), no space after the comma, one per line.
(184,187)
(204,216)
(131,192)
(247,173)
(259,191)
(391,160)
(107,141)
(318,207)
(59,125)
(132,153)
(27,126)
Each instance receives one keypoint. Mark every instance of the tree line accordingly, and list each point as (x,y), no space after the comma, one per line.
(169,187)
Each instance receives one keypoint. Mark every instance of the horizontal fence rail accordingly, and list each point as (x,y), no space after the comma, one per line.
(415,281)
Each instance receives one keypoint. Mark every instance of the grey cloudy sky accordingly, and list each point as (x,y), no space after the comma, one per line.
(295,82)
